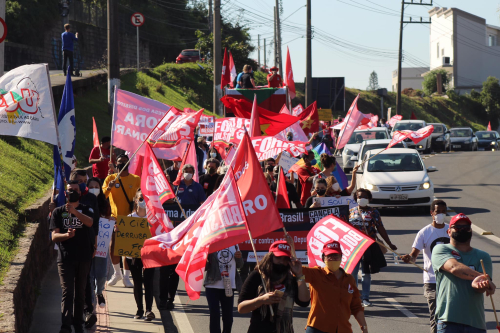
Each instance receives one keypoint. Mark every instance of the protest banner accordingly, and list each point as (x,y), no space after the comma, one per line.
(130,235)
(268,146)
(333,201)
(174,212)
(105,233)
(286,162)
(206,129)
(227,128)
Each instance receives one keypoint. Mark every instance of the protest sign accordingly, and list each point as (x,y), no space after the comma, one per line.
(268,146)
(333,201)
(130,235)
(206,129)
(105,233)
(228,128)
(286,162)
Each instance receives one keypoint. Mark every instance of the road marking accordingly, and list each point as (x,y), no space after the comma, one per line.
(401,308)
(183,324)
(476,228)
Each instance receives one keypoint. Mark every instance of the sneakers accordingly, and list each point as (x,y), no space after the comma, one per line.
(366,303)
(127,283)
(139,314)
(149,316)
(114,279)
(101,301)
(90,320)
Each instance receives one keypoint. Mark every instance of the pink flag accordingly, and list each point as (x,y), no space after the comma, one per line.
(232,68)
(189,158)
(353,119)
(172,132)
(155,190)
(489,126)
(394,120)
(415,136)
(289,75)
(296,111)
(226,75)
(254,119)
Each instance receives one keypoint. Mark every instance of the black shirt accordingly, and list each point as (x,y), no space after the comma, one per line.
(90,200)
(292,193)
(246,82)
(172,173)
(208,181)
(81,246)
(249,291)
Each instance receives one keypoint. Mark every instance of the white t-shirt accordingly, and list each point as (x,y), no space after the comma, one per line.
(425,241)
(227,263)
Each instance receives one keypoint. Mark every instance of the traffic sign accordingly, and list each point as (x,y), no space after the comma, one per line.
(137,19)
(3,30)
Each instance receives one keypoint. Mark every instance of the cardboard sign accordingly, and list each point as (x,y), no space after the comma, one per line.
(286,162)
(130,236)
(105,233)
(333,201)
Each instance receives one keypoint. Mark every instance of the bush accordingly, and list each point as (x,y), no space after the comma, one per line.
(143,88)
(430,81)
(407,91)
(452,94)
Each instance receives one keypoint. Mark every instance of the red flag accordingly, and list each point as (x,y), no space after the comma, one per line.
(95,136)
(254,119)
(309,119)
(226,74)
(282,192)
(220,226)
(415,136)
(289,75)
(394,120)
(155,190)
(352,242)
(488,129)
(413,116)
(270,123)
(173,132)
(232,69)
(352,121)
(189,158)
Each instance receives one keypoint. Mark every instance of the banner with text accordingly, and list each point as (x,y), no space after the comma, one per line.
(103,239)
(130,236)
(333,201)
(174,212)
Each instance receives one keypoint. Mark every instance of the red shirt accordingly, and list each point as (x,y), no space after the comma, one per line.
(99,170)
(275,82)
(303,173)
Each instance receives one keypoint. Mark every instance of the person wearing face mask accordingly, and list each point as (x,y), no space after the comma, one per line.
(283,290)
(319,191)
(189,192)
(367,220)
(201,152)
(334,295)
(306,175)
(289,136)
(427,238)
(213,153)
(329,163)
(461,281)
(209,179)
(71,227)
(100,158)
(140,275)
(120,193)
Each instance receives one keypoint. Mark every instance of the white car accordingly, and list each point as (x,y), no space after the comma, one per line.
(414,125)
(374,144)
(397,177)
(352,147)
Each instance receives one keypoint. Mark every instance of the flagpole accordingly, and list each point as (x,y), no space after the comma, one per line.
(182,209)
(399,255)
(339,138)
(112,124)
(491,298)
(289,240)
(372,157)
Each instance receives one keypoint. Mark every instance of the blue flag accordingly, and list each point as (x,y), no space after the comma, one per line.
(67,126)
(338,173)
(58,179)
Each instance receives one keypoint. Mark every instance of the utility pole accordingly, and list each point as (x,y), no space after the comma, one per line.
(210,16)
(265,64)
(278,33)
(400,56)
(309,98)
(275,39)
(217,59)
(258,49)
(113,51)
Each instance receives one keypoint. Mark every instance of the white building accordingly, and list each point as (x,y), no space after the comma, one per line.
(465,46)
(411,77)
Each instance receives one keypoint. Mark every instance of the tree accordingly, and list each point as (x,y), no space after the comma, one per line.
(373,81)
(430,81)
(490,97)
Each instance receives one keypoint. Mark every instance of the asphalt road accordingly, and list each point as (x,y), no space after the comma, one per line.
(469,183)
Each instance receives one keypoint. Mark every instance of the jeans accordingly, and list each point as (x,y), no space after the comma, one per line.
(98,275)
(73,276)
(169,281)
(311,329)
(447,327)
(214,298)
(366,281)
(430,294)
(68,55)
(142,278)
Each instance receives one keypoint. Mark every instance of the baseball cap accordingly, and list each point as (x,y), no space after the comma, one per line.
(333,247)
(281,249)
(459,217)
(274,68)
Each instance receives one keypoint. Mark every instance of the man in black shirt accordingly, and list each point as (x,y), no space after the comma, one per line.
(71,227)
(292,193)
(209,179)
(173,171)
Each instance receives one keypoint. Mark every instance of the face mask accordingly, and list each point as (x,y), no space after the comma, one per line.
(279,271)
(439,218)
(314,162)
(321,191)
(142,203)
(333,266)
(211,171)
(213,155)
(289,137)
(120,166)
(188,176)
(462,236)
(363,202)
(336,187)
(95,191)
(73,196)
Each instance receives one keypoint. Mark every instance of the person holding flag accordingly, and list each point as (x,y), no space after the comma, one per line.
(290,188)
(306,172)
(274,79)
(100,158)
(329,164)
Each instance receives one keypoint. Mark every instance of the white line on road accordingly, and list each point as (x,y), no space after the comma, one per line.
(401,308)
(183,324)
(476,228)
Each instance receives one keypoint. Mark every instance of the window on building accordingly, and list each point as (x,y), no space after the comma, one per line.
(442,52)
(492,40)
(437,49)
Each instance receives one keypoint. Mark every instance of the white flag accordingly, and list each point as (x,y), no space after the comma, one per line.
(26,108)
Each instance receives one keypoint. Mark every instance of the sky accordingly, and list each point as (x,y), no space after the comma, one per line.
(351,38)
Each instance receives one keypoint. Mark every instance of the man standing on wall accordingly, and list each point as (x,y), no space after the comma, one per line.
(67,48)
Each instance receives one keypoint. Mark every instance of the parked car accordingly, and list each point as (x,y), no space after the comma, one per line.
(414,125)
(487,140)
(352,147)
(366,146)
(189,55)
(397,177)
(463,138)
(440,138)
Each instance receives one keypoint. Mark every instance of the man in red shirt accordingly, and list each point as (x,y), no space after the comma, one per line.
(306,175)
(99,158)
(274,79)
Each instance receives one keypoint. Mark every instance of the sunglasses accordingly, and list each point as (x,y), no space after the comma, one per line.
(462,227)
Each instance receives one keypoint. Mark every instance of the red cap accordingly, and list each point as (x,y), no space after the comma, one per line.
(274,68)
(333,247)
(459,217)
(281,249)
